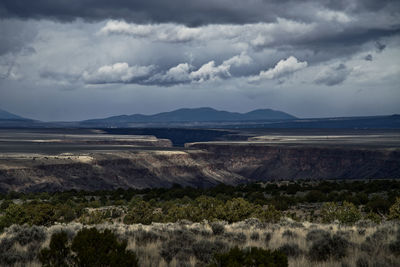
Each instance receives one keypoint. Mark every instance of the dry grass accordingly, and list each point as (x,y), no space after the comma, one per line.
(149,240)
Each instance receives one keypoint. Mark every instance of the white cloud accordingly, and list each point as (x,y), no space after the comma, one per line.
(178,74)
(257,34)
(116,73)
(210,72)
(330,15)
(185,73)
(239,60)
(166,32)
(283,68)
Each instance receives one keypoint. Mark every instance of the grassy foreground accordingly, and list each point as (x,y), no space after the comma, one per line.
(306,223)
(194,244)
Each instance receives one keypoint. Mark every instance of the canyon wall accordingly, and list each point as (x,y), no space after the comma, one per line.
(198,165)
(260,161)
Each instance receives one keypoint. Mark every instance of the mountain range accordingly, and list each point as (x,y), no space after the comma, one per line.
(210,118)
(198,115)
(5,115)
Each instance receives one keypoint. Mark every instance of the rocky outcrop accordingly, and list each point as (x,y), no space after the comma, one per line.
(261,161)
(199,165)
(117,170)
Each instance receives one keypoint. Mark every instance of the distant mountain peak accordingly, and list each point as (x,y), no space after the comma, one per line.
(201,114)
(5,115)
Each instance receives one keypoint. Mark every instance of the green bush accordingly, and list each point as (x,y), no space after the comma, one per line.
(267,213)
(346,213)
(204,249)
(236,210)
(394,211)
(179,245)
(291,250)
(323,248)
(94,248)
(58,253)
(378,204)
(217,228)
(250,257)
(90,248)
(141,212)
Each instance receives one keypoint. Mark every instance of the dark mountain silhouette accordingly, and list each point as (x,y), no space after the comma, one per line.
(211,118)
(5,115)
(197,115)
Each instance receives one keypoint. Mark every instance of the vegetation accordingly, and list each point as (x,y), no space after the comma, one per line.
(277,223)
(194,244)
(325,201)
(345,213)
(249,257)
(89,248)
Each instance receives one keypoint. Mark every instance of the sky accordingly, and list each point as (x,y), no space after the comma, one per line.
(80,59)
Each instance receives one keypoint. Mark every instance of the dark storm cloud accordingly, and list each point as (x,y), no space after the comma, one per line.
(131,56)
(59,76)
(368,57)
(195,12)
(333,76)
(16,36)
(379,46)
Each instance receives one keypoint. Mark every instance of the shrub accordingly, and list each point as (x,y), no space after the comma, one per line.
(240,238)
(362,262)
(217,228)
(143,237)
(29,238)
(374,217)
(25,234)
(250,257)
(179,244)
(58,253)
(378,204)
(394,247)
(267,237)
(349,213)
(345,213)
(361,231)
(344,234)
(91,248)
(5,203)
(94,248)
(329,212)
(32,214)
(289,234)
(324,248)
(254,222)
(317,234)
(169,250)
(204,249)
(255,236)
(268,214)
(291,250)
(141,212)
(315,196)
(374,242)
(10,255)
(236,210)
(394,211)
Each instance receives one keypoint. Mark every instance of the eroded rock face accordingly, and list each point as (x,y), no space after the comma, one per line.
(264,162)
(113,170)
(200,165)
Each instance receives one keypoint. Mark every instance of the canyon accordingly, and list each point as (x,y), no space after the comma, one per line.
(58,160)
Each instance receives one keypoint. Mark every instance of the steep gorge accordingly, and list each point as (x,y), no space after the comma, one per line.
(261,161)
(199,165)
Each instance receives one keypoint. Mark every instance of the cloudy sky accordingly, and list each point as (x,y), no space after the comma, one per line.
(80,59)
